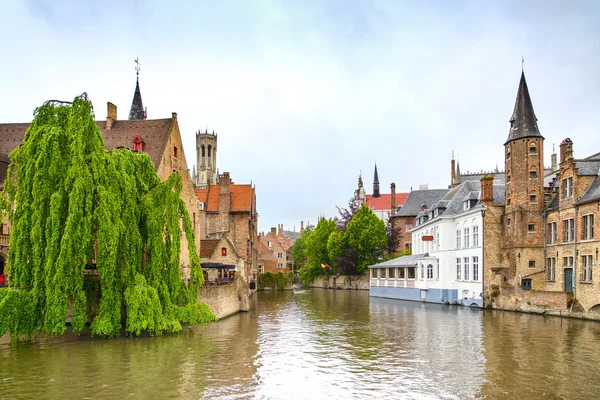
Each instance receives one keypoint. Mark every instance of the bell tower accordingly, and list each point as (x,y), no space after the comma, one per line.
(206,158)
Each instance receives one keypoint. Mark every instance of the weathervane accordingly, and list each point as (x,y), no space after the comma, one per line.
(137,67)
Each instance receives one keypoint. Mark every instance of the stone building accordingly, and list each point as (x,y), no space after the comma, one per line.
(540,248)
(228,210)
(220,261)
(159,138)
(206,159)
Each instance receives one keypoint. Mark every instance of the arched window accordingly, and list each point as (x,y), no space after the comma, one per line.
(209,150)
(533,173)
(202,147)
(429,271)
(532,148)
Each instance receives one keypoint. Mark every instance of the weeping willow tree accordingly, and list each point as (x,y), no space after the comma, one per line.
(76,207)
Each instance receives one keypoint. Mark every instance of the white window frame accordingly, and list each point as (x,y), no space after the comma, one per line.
(458,269)
(475,260)
(466,268)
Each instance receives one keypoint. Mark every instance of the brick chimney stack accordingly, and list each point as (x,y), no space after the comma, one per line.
(273,230)
(393,186)
(566,150)
(111,115)
(487,190)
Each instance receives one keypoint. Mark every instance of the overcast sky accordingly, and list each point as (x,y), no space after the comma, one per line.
(305,95)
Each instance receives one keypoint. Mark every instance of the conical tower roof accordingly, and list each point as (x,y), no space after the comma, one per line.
(376,177)
(523,122)
(137,107)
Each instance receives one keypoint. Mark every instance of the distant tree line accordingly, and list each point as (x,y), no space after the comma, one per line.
(346,245)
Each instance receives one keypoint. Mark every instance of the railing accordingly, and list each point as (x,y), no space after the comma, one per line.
(218,282)
(393,282)
(4,240)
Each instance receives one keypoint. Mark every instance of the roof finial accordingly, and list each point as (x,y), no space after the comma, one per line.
(522,62)
(137,67)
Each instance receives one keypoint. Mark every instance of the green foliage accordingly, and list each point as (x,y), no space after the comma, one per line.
(299,247)
(78,206)
(278,281)
(367,234)
(391,256)
(316,250)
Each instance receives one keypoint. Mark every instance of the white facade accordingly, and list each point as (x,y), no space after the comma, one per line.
(455,253)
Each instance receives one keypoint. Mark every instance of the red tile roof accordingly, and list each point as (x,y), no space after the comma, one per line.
(384,202)
(243,197)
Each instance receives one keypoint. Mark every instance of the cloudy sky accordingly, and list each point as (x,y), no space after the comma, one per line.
(307,94)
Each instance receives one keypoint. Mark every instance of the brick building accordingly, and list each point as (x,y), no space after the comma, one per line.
(159,138)
(382,204)
(540,245)
(228,210)
(275,243)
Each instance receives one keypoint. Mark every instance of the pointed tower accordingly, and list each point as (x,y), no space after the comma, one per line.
(376,183)
(524,155)
(137,107)
(360,192)
(524,195)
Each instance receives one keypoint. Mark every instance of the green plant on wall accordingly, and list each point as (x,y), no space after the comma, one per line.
(277,281)
(74,206)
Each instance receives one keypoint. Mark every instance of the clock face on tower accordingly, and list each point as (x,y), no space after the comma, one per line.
(202,168)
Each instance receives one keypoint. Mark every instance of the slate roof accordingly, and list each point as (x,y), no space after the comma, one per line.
(460,178)
(137,107)
(591,194)
(153,132)
(587,167)
(523,122)
(412,205)
(384,201)
(404,261)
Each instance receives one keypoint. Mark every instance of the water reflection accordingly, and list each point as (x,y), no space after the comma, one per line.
(323,344)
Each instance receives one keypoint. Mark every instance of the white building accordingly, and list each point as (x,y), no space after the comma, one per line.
(448,261)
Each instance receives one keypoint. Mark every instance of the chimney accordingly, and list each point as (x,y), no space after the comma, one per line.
(224,181)
(553,159)
(280,228)
(487,190)
(566,150)
(273,231)
(111,115)
(393,186)
(301,226)
(452,171)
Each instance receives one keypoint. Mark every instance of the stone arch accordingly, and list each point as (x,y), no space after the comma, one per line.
(595,309)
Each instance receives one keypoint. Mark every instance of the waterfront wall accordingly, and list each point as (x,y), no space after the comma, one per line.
(354,282)
(540,302)
(224,300)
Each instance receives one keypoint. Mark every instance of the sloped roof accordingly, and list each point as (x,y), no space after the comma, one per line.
(404,261)
(153,132)
(207,247)
(523,122)
(587,167)
(384,201)
(592,193)
(137,107)
(243,197)
(412,205)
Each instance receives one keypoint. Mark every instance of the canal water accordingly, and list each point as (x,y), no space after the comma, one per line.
(315,344)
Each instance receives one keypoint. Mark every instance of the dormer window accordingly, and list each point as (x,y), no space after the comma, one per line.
(137,143)
(466,205)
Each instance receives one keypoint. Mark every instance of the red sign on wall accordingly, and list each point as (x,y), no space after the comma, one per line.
(427,238)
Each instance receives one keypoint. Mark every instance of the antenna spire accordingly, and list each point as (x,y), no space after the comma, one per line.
(137,67)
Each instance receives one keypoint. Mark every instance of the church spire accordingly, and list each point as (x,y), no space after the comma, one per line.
(523,123)
(376,184)
(137,107)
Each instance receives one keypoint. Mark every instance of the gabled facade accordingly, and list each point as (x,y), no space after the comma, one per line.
(273,244)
